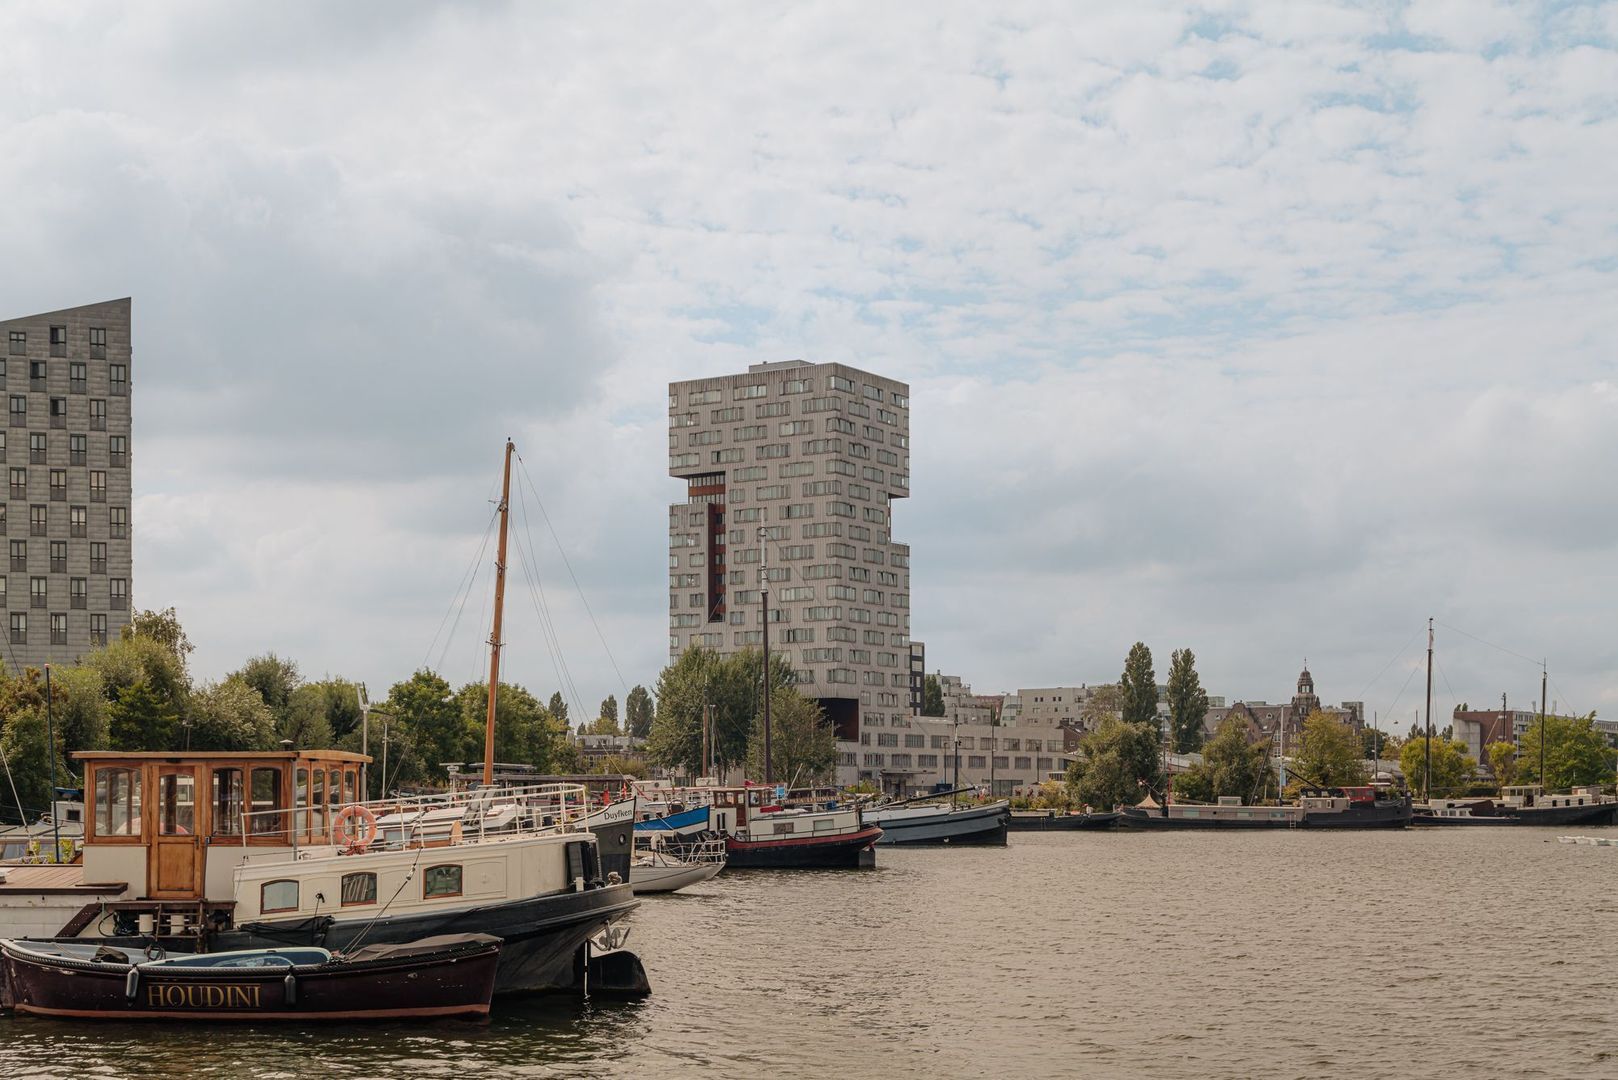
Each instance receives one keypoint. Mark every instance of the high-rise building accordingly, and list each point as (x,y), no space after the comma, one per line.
(66,452)
(804,461)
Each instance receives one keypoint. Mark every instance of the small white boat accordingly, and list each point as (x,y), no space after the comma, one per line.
(656,869)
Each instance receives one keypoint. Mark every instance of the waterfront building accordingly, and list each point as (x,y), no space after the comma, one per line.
(66,450)
(814,457)
(1266,719)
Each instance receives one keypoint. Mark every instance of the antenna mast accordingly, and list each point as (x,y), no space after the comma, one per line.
(499,611)
(764,594)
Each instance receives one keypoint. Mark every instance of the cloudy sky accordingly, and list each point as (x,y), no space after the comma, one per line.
(1264,329)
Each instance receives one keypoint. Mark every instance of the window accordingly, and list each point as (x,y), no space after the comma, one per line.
(98,342)
(58,341)
(78,517)
(2,591)
(38,592)
(227,802)
(117,451)
(37,448)
(19,555)
(58,556)
(837,382)
(358,889)
(19,410)
(117,379)
(442,880)
(703,397)
(98,629)
(77,448)
(19,628)
(76,375)
(58,485)
(117,522)
(98,554)
(58,412)
(98,488)
(38,520)
(117,802)
(78,592)
(19,342)
(2,444)
(742,393)
(118,593)
(276,896)
(98,414)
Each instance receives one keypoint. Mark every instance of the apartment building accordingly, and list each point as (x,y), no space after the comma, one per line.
(796,467)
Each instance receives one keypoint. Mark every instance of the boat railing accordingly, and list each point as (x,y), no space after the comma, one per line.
(436,819)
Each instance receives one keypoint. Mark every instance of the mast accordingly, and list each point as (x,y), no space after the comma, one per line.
(1544,677)
(1427,780)
(499,611)
(764,595)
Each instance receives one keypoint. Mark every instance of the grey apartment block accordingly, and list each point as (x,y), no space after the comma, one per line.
(65,448)
(815,455)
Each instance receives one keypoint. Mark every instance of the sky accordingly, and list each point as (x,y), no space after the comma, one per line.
(1266,330)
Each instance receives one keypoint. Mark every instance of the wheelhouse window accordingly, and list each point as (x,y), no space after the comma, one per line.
(176,804)
(359,889)
(441,881)
(266,797)
(317,804)
(276,896)
(117,802)
(227,802)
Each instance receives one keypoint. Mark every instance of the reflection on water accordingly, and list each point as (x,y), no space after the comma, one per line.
(1422,953)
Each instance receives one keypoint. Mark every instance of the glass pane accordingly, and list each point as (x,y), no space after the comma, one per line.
(300,799)
(317,803)
(359,889)
(176,804)
(350,785)
(227,802)
(117,802)
(278,896)
(266,796)
(441,881)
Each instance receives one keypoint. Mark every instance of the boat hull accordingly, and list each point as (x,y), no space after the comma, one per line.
(1384,815)
(843,851)
(666,879)
(1598,814)
(453,983)
(1023,822)
(972,825)
(1133,818)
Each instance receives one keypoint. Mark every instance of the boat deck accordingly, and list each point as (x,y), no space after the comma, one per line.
(47,879)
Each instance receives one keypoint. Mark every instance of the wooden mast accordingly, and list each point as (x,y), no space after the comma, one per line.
(499,610)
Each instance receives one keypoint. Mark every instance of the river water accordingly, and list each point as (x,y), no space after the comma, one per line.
(1424,953)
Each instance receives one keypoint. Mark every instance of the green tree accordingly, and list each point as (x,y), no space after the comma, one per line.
(1188,701)
(274,678)
(731,685)
(525,733)
(932,696)
(1102,703)
(430,719)
(337,700)
(80,704)
(231,716)
(609,712)
(803,748)
(1139,687)
(1230,766)
(138,659)
(1328,755)
(619,765)
(1116,764)
(1575,753)
(558,709)
(140,719)
(27,753)
(638,712)
(1502,762)
(1452,766)
(162,627)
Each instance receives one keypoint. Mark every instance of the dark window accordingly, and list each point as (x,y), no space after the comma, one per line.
(38,592)
(38,520)
(98,629)
(77,517)
(58,412)
(117,450)
(3,516)
(19,628)
(117,379)
(19,410)
(19,483)
(78,592)
(98,556)
(441,881)
(58,628)
(98,342)
(37,375)
(2,444)
(19,555)
(19,342)
(276,896)
(58,556)
(117,522)
(98,486)
(58,485)
(98,414)
(38,448)
(76,377)
(58,341)
(117,593)
(77,449)
(2,590)
(359,889)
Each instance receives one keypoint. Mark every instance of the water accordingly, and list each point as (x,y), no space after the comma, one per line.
(1454,953)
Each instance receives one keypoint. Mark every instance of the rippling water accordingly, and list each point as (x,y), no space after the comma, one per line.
(1467,953)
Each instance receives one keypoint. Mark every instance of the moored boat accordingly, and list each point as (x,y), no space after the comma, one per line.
(1523,805)
(667,866)
(759,835)
(1027,820)
(443,976)
(932,823)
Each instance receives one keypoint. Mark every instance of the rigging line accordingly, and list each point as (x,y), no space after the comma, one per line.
(1454,699)
(536,588)
(449,640)
(1399,695)
(471,569)
(565,562)
(1567,705)
(544,629)
(1390,663)
(1532,660)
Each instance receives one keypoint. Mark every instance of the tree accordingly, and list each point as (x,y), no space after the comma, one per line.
(164,628)
(140,719)
(81,709)
(28,755)
(1101,703)
(1377,744)
(1116,764)
(1139,687)
(732,685)
(1052,795)
(273,678)
(619,765)
(609,712)
(932,696)
(1452,766)
(1502,762)
(1230,766)
(137,658)
(1575,753)
(638,712)
(558,709)
(525,733)
(1188,701)
(427,711)
(1328,755)
(231,716)
(803,749)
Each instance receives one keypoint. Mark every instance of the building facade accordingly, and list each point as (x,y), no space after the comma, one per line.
(66,450)
(796,467)
(1266,720)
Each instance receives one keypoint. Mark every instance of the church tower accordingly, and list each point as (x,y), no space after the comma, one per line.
(1305,700)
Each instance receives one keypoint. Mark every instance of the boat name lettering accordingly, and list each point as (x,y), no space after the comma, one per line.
(201,996)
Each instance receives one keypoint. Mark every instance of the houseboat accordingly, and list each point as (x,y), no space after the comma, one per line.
(761,834)
(1526,804)
(1049,820)
(939,823)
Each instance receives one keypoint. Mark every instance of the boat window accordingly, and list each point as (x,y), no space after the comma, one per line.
(359,889)
(117,795)
(266,796)
(276,896)
(334,792)
(300,799)
(176,804)
(351,785)
(317,803)
(227,802)
(441,881)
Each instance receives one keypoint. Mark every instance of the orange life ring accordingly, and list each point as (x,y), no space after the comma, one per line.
(339,828)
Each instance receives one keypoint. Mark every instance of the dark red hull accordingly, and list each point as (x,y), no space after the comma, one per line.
(844,851)
(457,981)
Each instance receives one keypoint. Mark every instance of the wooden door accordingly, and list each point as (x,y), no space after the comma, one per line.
(175,870)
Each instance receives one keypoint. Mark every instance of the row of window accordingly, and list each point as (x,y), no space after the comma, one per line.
(78,377)
(58,628)
(357,889)
(78,523)
(78,590)
(790,386)
(78,449)
(96,341)
(57,485)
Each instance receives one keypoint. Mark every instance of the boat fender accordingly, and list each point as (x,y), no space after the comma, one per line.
(132,982)
(289,991)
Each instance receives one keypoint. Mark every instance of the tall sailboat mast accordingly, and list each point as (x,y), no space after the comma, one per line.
(1427,780)
(764,595)
(499,611)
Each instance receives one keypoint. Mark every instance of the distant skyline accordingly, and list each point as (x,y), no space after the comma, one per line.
(1267,330)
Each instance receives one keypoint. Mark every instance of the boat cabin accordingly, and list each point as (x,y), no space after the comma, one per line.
(173,825)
